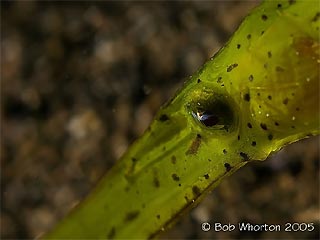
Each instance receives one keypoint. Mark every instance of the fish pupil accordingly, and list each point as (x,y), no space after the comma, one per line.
(207,118)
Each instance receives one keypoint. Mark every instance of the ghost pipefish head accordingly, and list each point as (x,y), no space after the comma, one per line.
(258,93)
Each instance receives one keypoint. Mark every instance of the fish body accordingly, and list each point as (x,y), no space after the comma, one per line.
(257,94)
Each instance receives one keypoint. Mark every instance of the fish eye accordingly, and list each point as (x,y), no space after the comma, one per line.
(207,118)
(213,112)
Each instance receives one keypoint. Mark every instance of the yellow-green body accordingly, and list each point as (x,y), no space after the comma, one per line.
(263,86)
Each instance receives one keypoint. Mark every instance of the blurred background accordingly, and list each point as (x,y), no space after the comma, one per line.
(81,80)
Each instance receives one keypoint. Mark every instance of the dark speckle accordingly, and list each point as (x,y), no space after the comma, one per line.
(173,159)
(249,125)
(131,216)
(297,109)
(262,32)
(238,137)
(238,46)
(158,216)
(156,182)
(316,17)
(193,149)
(163,118)
(206,176)
(227,166)
(270,137)
(251,78)
(264,17)
(253,143)
(270,97)
(269,54)
(196,191)
(219,80)
(112,233)
(285,101)
(199,80)
(279,5)
(224,151)
(246,97)
(276,123)
(209,160)
(292,1)
(175,177)
(244,156)
(263,126)
(249,36)
(231,67)
(279,69)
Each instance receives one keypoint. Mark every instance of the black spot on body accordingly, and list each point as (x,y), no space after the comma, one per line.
(112,233)
(246,97)
(279,69)
(163,118)
(263,126)
(173,159)
(209,160)
(316,17)
(158,216)
(251,78)
(219,79)
(249,125)
(231,67)
(238,46)
(206,176)
(238,137)
(270,137)
(262,32)
(292,1)
(156,182)
(224,151)
(131,216)
(279,5)
(175,177)
(253,143)
(196,191)
(227,166)
(297,109)
(199,80)
(244,156)
(276,123)
(270,97)
(193,149)
(269,54)
(264,17)
(249,36)
(285,101)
